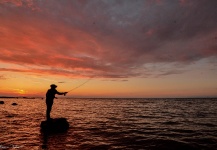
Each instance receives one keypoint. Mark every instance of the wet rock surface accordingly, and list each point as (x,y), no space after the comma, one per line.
(55,125)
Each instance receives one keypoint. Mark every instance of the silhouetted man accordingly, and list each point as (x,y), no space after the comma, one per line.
(50,95)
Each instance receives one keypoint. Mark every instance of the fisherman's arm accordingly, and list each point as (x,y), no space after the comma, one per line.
(61,93)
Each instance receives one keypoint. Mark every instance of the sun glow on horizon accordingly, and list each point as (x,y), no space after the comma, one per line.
(20,91)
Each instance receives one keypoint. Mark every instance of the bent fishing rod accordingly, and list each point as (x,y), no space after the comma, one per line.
(79,85)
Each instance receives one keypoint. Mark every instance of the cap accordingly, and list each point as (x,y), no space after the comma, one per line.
(53,85)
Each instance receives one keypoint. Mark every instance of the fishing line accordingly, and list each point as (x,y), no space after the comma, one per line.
(80,85)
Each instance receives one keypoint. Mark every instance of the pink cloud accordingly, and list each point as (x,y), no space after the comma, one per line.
(150,32)
(183,2)
(21,3)
(105,38)
(14,2)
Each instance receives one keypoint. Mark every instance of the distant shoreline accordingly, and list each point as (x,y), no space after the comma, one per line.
(19,97)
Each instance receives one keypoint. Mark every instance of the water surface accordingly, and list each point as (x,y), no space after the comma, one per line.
(112,124)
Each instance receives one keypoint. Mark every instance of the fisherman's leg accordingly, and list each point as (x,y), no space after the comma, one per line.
(49,107)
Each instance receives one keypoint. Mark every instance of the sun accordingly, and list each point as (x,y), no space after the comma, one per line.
(20,91)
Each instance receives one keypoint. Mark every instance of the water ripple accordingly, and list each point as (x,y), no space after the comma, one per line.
(112,124)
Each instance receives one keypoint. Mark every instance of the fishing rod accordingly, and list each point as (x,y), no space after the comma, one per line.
(80,85)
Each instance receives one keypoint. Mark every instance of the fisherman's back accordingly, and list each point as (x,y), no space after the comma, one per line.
(50,95)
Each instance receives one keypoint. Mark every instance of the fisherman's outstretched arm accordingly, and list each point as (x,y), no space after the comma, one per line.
(62,93)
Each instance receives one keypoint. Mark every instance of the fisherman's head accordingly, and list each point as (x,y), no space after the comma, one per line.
(53,86)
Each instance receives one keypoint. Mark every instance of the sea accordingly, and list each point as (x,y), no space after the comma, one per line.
(111,124)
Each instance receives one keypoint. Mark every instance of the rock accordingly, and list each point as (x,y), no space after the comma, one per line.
(2,102)
(44,146)
(14,104)
(55,125)
(9,116)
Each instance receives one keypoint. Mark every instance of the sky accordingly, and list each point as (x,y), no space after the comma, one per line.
(109,48)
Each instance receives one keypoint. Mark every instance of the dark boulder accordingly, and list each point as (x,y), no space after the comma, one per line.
(14,104)
(55,125)
(2,102)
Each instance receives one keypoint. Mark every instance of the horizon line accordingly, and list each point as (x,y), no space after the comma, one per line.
(35,97)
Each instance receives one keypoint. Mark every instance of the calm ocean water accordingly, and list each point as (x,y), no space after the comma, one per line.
(112,124)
